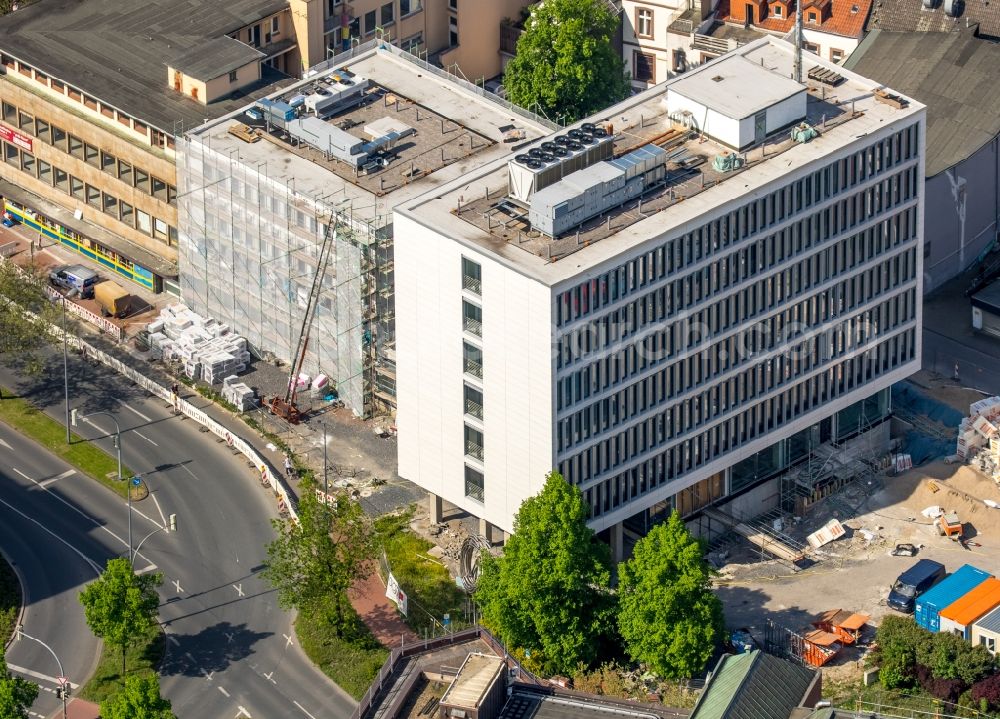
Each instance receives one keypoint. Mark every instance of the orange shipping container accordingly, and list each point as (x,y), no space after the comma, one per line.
(959,616)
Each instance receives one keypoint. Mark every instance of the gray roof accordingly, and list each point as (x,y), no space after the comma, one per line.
(736,87)
(988,298)
(214,58)
(115,50)
(911,15)
(955,74)
(529,704)
(991,622)
(753,686)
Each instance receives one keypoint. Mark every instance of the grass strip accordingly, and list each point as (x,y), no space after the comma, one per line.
(352,660)
(431,590)
(10,600)
(86,456)
(142,658)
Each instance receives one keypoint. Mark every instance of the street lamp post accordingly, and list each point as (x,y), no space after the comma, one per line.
(63,681)
(171,526)
(75,415)
(66,371)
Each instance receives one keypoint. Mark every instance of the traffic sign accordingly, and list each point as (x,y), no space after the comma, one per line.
(136,481)
(62,680)
(447,619)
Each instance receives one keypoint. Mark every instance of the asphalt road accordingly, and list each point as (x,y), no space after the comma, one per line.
(231,650)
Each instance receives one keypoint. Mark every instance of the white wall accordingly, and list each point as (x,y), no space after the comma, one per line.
(714,124)
(517,374)
(828,41)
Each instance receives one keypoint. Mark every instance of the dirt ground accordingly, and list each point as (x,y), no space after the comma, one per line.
(855,572)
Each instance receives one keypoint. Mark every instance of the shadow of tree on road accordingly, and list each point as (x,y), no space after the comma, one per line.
(212,649)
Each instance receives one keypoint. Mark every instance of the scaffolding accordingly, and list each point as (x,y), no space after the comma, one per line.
(249,248)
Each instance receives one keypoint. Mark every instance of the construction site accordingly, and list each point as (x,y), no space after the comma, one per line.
(848,522)
(286,211)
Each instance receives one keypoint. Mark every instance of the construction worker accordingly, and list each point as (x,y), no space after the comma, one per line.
(288,466)
(175,397)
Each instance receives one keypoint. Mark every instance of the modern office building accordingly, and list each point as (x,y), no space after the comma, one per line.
(259,188)
(673,304)
(95,91)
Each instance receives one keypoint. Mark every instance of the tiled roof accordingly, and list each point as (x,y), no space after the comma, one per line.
(844,20)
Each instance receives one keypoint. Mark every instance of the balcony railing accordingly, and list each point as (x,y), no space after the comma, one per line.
(473,450)
(473,409)
(474,491)
(716,45)
(472,284)
(472,326)
(509,35)
(474,368)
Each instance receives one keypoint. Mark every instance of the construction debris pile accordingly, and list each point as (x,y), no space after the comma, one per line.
(979,436)
(210,350)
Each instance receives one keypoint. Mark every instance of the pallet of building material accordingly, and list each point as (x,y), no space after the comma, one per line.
(768,543)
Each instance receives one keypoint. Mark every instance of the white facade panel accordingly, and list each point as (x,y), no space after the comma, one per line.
(517,375)
(714,124)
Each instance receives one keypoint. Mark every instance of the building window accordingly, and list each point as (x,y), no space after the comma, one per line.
(125,172)
(109,163)
(777,11)
(45,172)
(93,196)
(472,276)
(128,214)
(453,4)
(644,66)
(472,360)
(474,443)
(836,54)
(159,229)
(159,189)
(142,180)
(387,14)
(644,22)
(475,485)
(10,114)
(110,205)
(370,21)
(254,34)
(143,222)
(61,180)
(43,130)
(232,76)
(472,318)
(811,47)
(59,138)
(76,188)
(76,147)
(474,402)
(27,123)
(811,17)
(91,155)
(453,32)
(404,7)
(989,642)
(28,163)
(275,26)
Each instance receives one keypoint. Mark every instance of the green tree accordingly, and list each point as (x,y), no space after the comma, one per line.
(138,699)
(315,560)
(549,592)
(16,694)
(566,63)
(902,644)
(23,333)
(667,614)
(120,605)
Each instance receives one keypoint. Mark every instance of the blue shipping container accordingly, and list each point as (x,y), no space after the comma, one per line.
(930,604)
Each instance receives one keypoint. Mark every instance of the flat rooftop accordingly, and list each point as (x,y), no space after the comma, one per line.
(477,675)
(477,210)
(117,50)
(456,131)
(726,88)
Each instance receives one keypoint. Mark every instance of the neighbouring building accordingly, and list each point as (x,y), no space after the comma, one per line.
(260,188)
(94,93)
(755,685)
(955,74)
(986,631)
(662,39)
(673,303)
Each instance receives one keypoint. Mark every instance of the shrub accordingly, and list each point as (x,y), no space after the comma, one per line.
(988,690)
(947,689)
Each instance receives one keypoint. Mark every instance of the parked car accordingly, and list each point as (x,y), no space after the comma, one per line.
(912,583)
(74,277)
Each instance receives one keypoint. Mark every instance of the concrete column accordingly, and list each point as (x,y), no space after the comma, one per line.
(434,508)
(486,529)
(617,542)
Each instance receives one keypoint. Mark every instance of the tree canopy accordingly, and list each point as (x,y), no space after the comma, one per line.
(16,694)
(138,699)
(668,615)
(549,591)
(565,62)
(315,560)
(120,605)
(22,334)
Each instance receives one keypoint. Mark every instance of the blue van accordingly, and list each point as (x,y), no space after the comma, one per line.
(912,583)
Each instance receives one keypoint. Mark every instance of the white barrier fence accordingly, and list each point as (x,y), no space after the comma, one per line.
(102,323)
(269,477)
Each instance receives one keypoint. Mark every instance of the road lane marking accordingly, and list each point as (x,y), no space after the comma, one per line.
(243,713)
(221,689)
(268,677)
(239,589)
(84,557)
(173,640)
(144,570)
(184,467)
(23,474)
(288,640)
(135,431)
(229,637)
(157,503)
(37,675)
(4,444)
(51,480)
(177,584)
(302,709)
(132,409)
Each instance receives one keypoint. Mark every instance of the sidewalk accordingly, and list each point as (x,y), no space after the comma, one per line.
(78,709)
(369,601)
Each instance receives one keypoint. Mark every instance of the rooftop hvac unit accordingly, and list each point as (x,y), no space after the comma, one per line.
(554,159)
(803,132)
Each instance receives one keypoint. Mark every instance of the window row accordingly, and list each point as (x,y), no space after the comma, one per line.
(668,387)
(744,222)
(671,299)
(93,196)
(644,474)
(154,136)
(54,135)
